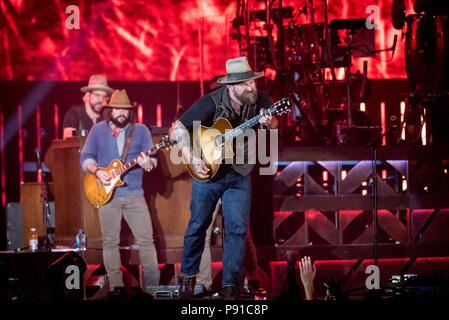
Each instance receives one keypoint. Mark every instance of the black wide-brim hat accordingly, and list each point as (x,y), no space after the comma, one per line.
(238,70)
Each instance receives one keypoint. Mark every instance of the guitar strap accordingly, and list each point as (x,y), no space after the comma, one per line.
(245,113)
(128,142)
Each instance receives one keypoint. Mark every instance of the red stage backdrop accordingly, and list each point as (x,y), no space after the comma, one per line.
(140,40)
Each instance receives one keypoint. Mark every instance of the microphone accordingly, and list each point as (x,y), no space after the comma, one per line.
(38,156)
(38,153)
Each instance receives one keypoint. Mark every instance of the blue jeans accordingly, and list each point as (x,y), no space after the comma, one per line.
(235,192)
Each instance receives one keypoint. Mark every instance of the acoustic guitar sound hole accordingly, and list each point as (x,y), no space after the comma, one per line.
(218,141)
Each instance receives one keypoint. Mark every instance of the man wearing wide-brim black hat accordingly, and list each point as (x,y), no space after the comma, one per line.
(237,101)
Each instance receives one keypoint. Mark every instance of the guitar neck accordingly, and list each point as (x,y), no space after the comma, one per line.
(248,124)
(133,162)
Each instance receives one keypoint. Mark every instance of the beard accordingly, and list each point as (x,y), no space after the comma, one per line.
(120,121)
(247,97)
(97,108)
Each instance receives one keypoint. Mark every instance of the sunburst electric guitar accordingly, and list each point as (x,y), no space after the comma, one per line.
(213,144)
(99,194)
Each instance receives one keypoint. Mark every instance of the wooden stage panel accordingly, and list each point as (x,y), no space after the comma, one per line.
(73,210)
(168,190)
(32,209)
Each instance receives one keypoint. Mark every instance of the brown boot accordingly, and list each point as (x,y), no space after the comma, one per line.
(187,288)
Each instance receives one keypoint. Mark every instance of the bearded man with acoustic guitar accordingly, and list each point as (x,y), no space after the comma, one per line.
(236,101)
(121,137)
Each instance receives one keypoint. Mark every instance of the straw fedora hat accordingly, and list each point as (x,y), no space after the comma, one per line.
(238,70)
(120,100)
(97,82)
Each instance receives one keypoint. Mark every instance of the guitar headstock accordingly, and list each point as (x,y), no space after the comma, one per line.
(282,106)
(167,143)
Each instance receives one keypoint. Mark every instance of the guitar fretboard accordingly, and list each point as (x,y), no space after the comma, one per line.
(253,121)
(133,162)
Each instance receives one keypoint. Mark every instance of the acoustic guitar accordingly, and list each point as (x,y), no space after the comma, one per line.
(214,144)
(99,194)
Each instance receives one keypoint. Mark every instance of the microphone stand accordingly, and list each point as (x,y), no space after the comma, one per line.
(374,145)
(375,218)
(48,242)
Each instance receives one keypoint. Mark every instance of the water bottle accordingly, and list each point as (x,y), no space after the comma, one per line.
(33,240)
(81,240)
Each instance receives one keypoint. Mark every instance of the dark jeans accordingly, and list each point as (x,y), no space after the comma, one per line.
(235,192)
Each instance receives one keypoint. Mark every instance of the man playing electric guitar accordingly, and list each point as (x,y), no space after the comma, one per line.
(237,101)
(120,137)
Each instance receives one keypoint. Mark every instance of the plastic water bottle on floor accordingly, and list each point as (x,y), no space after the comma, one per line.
(81,240)
(34,242)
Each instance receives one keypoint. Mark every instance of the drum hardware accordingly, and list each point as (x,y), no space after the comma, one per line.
(300,56)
